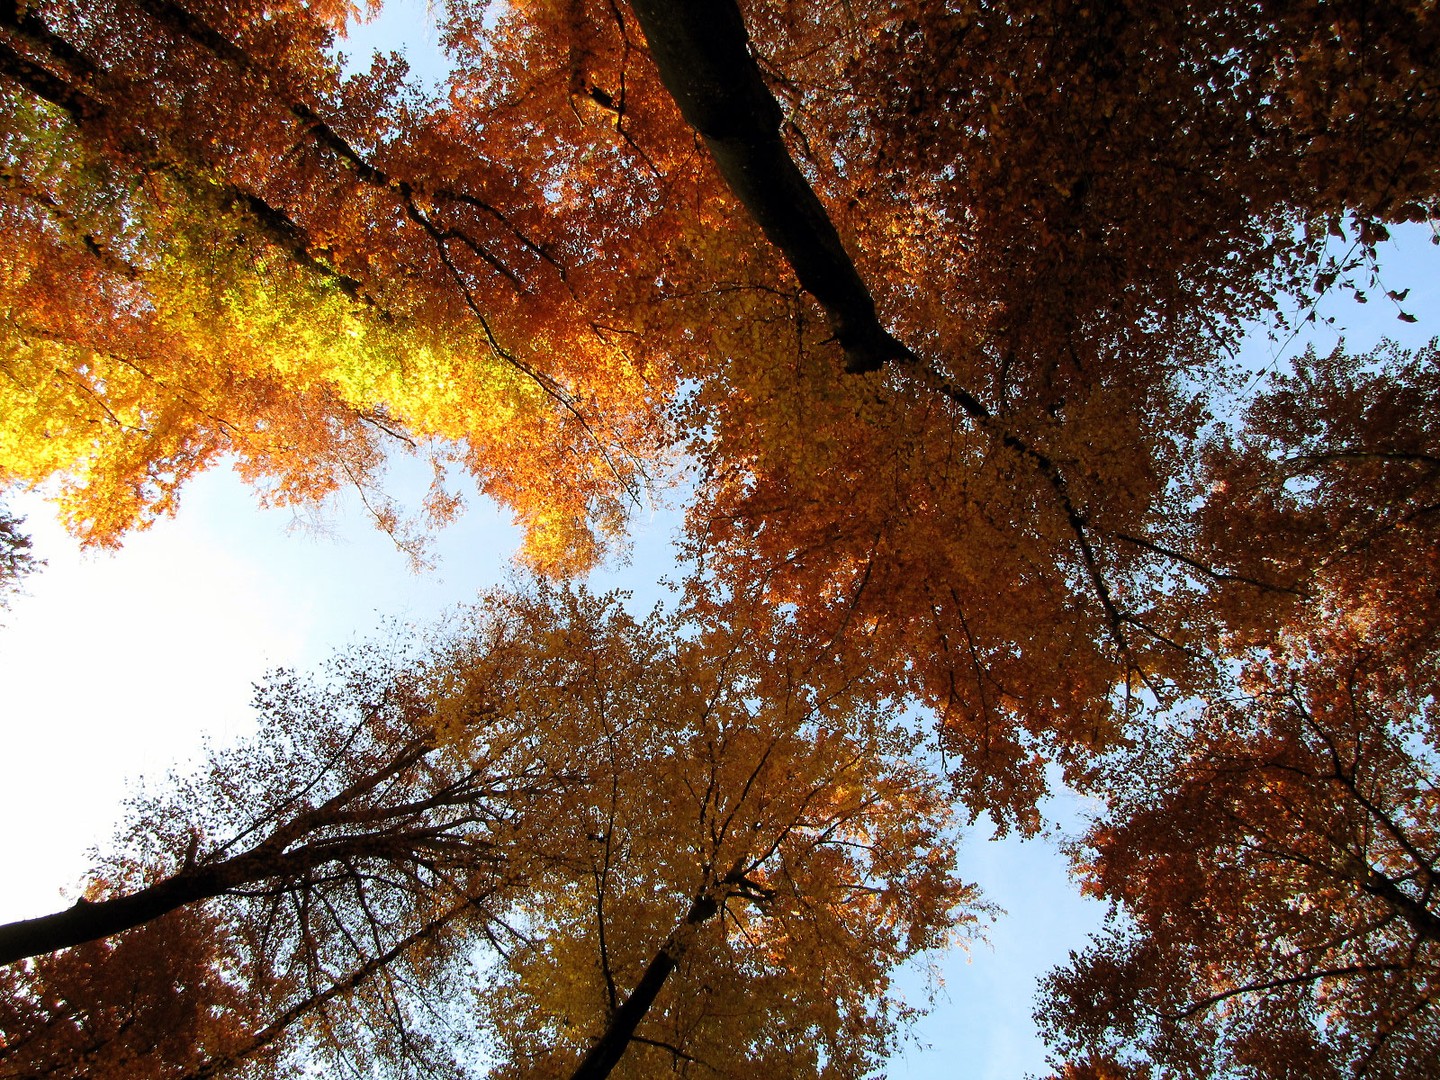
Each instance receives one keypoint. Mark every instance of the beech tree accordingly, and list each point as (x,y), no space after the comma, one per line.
(1275,866)
(347,787)
(764,852)
(1272,858)
(674,837)
(309,875)
(204,264)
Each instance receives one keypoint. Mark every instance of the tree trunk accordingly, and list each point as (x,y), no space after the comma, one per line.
(703,55)
(87,921)
(611,1046)
(1422,920)
(91,920)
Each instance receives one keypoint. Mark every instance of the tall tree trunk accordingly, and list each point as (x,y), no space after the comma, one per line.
(394,834)
(91,920)
(703,54)
(611,1046)
(87,921)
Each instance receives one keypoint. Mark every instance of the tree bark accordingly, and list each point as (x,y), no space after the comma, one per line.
(611,1046)
(89,920)
(269,861)
(702,51)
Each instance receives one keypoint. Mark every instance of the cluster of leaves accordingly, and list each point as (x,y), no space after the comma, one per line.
(16,558)
(201,265)
(1274,862)
(147,1004)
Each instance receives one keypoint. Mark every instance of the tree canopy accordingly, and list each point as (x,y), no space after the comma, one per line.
(931,312)
(1271,854)
(669,834)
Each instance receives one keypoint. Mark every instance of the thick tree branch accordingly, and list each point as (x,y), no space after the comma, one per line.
(91,920)
(398,835)
(1424,922)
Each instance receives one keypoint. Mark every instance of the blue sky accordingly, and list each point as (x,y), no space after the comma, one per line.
(117,666)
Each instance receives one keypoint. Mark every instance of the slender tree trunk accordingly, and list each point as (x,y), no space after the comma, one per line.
(89,921)
(611,1046)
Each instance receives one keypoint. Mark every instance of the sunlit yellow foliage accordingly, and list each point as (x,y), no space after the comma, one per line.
(716,761)
(224,296)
